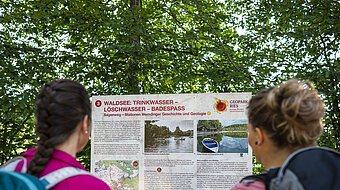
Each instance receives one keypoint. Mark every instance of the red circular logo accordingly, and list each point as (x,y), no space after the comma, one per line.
(135,163)
(220,105)
(98,103)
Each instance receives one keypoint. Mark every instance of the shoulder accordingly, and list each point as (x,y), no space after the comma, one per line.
(249,185)
(258,181)
(312,167)
(83,182)
(313,161)
(252,182)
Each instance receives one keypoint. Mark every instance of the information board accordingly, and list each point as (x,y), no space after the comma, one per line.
(170,141)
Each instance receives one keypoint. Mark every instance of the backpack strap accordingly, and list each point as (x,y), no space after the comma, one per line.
(296,153)
(12,164)
(311,167)
(48,180)
(277,181)
(265,178)
(61,174)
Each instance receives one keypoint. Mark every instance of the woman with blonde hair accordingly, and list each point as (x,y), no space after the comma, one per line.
(283,121)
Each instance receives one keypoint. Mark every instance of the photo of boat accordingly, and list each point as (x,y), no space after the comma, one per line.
(230,136)
(210,145)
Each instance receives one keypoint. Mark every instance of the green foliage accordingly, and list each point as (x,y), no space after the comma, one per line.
(257,167)
(85,155)
(297,39)
(236,127)
(210,124)
(236,134)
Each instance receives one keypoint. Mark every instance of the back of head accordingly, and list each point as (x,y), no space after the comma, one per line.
(60,106)
(290,114)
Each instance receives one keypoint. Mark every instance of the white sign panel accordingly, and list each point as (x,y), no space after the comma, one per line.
(170,141)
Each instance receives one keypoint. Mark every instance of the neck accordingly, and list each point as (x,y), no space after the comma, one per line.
(69,146)
(275,158)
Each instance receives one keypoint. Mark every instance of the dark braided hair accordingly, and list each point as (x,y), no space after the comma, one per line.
(60,106)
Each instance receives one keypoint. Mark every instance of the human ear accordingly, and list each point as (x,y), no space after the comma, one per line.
(259,137)
(85,127)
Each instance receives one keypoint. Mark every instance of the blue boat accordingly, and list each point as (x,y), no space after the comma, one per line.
(210,145)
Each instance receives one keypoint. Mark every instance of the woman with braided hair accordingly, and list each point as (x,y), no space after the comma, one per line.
(284,125)
(63,114)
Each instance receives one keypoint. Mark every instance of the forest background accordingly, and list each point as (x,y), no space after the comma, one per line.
(160,47)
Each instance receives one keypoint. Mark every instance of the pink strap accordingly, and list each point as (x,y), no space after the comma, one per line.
(256,185)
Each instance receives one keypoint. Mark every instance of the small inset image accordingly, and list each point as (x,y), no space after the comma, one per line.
(225,136)
(169,136)
(118,174)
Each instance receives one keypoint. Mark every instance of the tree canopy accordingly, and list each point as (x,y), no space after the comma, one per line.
(175,46)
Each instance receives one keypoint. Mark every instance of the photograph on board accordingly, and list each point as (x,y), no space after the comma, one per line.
(169,136)
(119,174)
(222,136)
